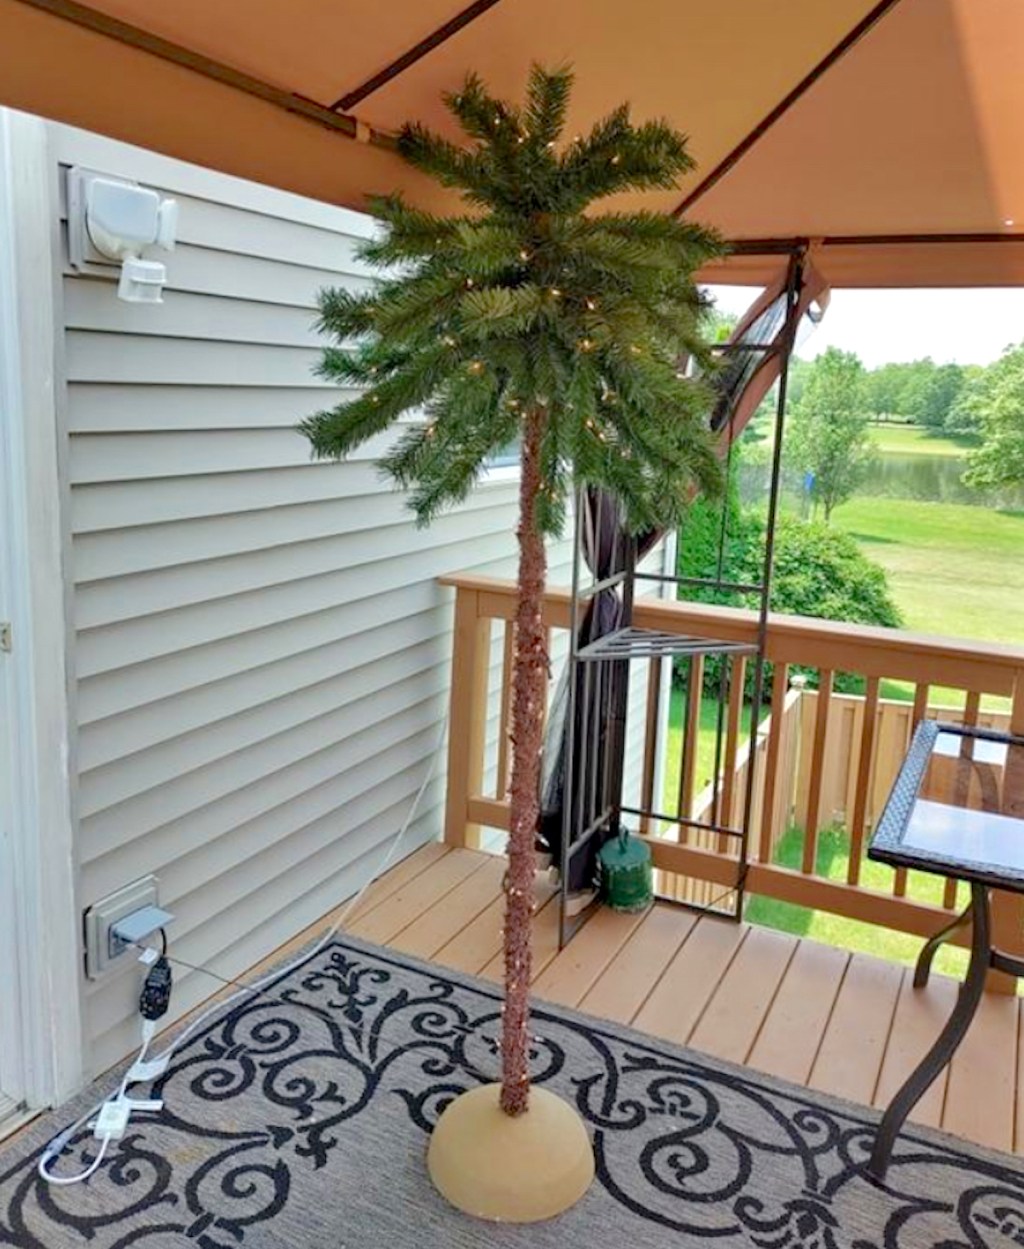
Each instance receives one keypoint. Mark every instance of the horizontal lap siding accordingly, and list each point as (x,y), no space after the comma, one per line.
(261,649)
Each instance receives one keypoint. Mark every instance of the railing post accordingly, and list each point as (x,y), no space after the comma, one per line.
(817,776)
(1008,908)
(768,835)
(467,724)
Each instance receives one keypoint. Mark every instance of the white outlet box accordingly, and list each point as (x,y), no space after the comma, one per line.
(100,917)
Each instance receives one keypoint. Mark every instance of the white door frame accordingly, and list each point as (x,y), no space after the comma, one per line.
(39,921)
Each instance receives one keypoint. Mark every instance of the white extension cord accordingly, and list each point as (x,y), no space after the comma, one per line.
(109,1117)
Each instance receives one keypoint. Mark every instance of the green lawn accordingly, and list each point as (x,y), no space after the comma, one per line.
(913,440)
(705,744)
(954,570)
(832,861)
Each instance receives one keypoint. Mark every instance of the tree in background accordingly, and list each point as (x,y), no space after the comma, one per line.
(828,436)
(796,383)
(822,572)
(884,390)
(935,394)
(962,419)
(529,317)
(998,404)
(818,571)
(720,325)
(918,391)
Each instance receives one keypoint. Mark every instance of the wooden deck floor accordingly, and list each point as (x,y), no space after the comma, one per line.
(848,1024)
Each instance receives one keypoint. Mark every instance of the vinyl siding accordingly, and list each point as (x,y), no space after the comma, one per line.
(261,650)
(260,647)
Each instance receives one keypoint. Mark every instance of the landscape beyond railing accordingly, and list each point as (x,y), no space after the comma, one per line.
(819,757)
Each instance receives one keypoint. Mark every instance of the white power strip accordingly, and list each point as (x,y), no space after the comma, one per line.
(112,1121)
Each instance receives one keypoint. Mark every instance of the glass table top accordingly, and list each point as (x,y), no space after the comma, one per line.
(957,806)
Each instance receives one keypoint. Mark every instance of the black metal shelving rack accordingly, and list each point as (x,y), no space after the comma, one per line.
(598,676)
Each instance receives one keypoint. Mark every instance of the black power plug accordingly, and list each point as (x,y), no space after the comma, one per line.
(156,990)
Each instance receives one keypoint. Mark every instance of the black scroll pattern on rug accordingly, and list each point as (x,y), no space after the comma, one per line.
(266,1094)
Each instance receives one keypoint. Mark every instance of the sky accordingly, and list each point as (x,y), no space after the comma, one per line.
(958,326)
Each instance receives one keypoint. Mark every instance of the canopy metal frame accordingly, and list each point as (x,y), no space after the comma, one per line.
(599,672)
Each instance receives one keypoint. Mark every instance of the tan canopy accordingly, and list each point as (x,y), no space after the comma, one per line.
(889,132)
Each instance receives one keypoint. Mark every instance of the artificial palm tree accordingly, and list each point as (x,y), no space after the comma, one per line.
(529,318)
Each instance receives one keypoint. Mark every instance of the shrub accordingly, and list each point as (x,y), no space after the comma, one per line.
(818,572)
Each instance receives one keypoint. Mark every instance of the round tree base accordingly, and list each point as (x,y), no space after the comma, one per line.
(510,1170)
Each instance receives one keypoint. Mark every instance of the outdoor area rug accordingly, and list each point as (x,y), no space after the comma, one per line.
(299,1120)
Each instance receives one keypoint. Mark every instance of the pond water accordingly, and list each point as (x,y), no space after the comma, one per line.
(928,478)
(931,478)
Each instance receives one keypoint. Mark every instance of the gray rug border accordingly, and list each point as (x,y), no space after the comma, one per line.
(29,1143)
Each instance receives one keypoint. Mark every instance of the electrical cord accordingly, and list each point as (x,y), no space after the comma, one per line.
(334,929)
(91,1169)
(59,1143)
(56,1146)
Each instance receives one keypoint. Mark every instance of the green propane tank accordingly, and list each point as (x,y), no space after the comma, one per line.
(626,874)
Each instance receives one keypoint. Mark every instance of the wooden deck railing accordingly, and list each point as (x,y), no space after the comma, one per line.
(848,746)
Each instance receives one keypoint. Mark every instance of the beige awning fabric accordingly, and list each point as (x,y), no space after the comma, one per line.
(842,122)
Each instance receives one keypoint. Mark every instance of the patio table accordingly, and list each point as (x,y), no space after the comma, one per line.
(956,810)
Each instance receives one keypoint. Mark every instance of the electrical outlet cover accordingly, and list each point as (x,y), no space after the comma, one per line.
(101,915)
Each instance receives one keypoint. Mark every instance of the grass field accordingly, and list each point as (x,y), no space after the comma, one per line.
(953,569)
(705,746)
(832,860)
(912,440)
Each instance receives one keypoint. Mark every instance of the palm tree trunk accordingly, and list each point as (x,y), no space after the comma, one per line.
(529,675)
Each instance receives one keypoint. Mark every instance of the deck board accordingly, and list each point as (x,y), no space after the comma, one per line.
(982,1110)
(386,920)
(849,1058)
(1018,1100)
(438,925)
(398,876)
(794,1027)
(630,977)
(574,970)
(920,1014)
(732,1020)
(677,1001)
(850,1025)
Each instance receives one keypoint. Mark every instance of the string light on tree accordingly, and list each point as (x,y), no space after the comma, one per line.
(487,386)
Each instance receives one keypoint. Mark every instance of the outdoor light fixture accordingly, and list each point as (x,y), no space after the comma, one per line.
(111,222)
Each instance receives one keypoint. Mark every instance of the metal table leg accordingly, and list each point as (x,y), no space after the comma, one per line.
(948,1039)
(924,959)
